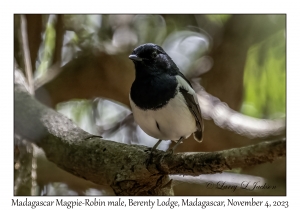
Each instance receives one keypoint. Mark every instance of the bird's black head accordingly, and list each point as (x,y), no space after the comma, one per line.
(151,59)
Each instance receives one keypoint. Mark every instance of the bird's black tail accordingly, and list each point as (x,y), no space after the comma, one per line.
(198,136)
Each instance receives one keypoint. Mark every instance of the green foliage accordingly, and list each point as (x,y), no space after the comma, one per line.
(218,19)
(47,53)
(75,109)
(265,79)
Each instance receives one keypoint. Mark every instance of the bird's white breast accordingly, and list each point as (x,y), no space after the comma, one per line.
(174,119)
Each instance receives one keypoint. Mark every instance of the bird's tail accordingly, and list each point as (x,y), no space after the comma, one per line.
(198,136)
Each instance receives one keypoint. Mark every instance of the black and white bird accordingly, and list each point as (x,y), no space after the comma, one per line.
(163,101)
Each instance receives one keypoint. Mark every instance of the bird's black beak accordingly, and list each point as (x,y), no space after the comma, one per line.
(135,58)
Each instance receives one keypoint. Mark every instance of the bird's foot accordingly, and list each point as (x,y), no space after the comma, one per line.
(149,160)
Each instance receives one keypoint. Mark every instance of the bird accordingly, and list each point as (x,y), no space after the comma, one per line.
(163,102)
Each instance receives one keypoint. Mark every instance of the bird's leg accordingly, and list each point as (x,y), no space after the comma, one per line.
(156,145)
(171,150)
(152,150)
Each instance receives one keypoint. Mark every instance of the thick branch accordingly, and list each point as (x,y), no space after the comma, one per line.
(122,166)
(197,163)
(101,161)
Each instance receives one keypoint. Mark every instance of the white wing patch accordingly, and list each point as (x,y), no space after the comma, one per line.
(186,86)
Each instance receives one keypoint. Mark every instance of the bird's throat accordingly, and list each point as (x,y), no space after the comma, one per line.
(153,92)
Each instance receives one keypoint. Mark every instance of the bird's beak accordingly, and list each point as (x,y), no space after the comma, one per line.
(135,58)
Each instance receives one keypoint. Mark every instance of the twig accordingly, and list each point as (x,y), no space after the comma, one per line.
(59,38)
(26,53)
(226,118)
(50,74)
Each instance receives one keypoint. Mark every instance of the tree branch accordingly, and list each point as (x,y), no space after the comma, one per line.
(198,163)
(121,166)
(227,118)
(26,54)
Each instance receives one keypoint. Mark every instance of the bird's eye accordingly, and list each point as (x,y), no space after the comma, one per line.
(154,54)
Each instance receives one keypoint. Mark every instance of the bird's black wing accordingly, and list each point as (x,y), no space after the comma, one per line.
(193,105)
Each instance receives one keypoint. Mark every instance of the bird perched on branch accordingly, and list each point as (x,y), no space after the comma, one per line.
(163,101)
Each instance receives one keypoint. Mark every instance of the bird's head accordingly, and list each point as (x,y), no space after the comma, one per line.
(152,59)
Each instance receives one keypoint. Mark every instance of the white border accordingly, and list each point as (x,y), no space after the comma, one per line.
(291,8)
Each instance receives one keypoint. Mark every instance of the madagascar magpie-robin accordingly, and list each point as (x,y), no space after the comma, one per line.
(163,101)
